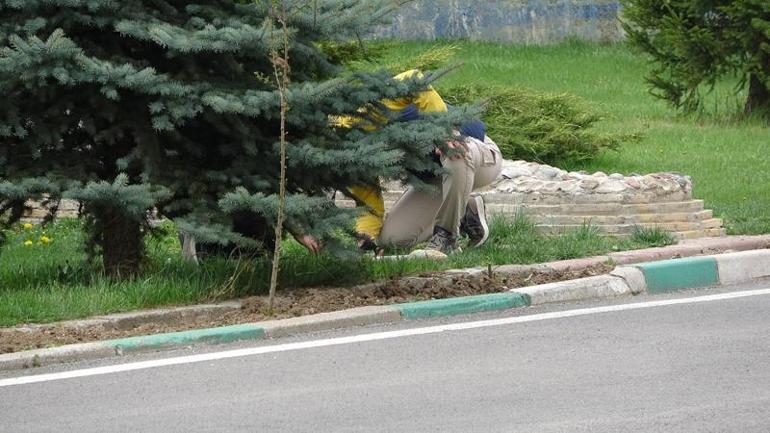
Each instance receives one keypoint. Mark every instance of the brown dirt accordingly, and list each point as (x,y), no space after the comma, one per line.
(297,302)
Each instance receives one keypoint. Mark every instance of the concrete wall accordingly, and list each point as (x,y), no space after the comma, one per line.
(520,21)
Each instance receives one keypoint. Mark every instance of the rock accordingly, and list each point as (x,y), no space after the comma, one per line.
(551,187)
(569,186)
(532,185)
(512,172)
(505,186)
(633,183)
(589,184)
(547,172)
(599,174)
(611,186)
(616,176)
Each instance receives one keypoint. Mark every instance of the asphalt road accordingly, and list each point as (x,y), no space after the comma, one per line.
(699,367)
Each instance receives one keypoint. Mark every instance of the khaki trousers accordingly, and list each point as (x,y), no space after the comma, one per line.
(413,216)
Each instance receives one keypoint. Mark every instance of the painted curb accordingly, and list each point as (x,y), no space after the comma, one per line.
(463,305)
(575,290)
(670,275)
(224,334)
(653,277)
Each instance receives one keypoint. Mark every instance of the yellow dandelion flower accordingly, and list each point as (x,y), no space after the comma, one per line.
(28,226)
(45,239)
(28,243)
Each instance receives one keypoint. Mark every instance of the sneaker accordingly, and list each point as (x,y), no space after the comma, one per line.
(474,222)
(442,241)
(367,244)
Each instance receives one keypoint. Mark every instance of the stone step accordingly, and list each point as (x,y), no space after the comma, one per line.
(690,234)
(695,234)
(537,199)
(713,223)
(39,214)
(559,199)
(689,206)
(599,208)
(649,218)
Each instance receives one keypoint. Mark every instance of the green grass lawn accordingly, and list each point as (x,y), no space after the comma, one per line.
(45,282)
(728,159)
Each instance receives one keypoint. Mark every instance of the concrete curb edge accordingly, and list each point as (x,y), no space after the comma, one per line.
(653,277)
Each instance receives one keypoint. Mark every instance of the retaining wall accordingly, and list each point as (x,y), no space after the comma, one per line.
(527,22)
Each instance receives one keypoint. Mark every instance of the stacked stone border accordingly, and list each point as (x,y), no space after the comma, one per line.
(652,277)
(556,200)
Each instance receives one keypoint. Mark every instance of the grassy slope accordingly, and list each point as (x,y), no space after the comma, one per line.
(728,161)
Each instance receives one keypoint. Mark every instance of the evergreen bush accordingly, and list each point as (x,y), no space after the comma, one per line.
(134,104)
(536,126)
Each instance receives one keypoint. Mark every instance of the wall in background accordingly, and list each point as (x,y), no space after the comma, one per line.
(521,21)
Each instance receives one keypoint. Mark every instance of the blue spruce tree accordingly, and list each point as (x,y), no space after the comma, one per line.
(131,105)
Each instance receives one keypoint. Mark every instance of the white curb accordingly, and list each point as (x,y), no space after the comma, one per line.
(743,266)
(633,277)
(575,290)
(55,355)
(325,321)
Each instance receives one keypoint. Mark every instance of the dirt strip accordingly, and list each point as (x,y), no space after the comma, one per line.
(299,302)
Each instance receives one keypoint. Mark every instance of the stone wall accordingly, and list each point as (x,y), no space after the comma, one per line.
(520,21)
(37,211)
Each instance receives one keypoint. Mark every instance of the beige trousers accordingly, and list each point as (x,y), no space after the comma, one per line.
(413,216)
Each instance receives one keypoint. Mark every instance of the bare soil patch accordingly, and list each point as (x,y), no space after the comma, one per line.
(298,302)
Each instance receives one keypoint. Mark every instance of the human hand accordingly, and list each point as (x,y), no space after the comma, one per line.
(453,144)
(310,242)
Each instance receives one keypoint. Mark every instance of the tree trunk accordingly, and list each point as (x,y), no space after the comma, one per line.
(122,246)
(759,96)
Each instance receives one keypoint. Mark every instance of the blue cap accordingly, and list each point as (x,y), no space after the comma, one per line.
(475,128)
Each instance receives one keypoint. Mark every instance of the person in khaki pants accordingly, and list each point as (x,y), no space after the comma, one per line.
(443,214)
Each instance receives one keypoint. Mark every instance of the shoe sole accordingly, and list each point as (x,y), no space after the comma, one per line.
(477,202)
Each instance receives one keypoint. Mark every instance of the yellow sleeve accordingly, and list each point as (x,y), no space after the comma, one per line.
(370,222)
(428,101)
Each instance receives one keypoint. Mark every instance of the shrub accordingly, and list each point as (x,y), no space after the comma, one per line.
(544,127)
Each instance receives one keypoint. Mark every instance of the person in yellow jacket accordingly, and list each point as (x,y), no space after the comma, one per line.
(440,215)
(369,224)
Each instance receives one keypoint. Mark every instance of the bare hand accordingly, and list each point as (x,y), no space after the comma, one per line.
(453,144)
(310,242)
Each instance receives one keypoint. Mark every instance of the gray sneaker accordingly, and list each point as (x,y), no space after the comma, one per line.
(474,222)
(442,241)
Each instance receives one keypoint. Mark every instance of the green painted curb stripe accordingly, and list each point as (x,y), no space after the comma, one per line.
(670,275)
(464,305)
(223,334)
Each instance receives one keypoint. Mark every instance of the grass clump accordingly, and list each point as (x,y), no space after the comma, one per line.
(653,236)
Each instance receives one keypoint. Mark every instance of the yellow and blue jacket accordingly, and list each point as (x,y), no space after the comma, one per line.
(370,222)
